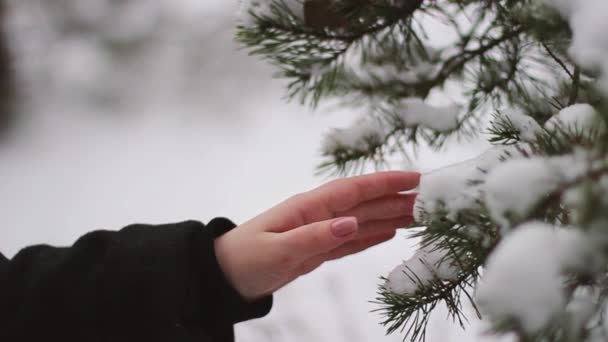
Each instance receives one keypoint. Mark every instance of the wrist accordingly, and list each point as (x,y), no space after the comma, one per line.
(227,253)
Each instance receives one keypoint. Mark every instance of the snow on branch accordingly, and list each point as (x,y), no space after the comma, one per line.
(578,117)
(589,26)
(526,127)
(429,263)
(524,275)
(457,187)
(367,137)
(364,135)
(515,188)
(414,112)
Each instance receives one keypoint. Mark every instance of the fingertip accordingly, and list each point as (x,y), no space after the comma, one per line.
(388,235)
(418,175)
(406,180)
(414,177)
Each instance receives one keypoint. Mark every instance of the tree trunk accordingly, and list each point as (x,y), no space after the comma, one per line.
(7,79)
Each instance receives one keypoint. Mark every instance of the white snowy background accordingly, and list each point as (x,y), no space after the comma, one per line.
(190,129)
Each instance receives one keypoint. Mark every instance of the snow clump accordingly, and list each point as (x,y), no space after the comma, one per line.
(527,127)
(514,188)
(588,22)
(414,112)
(363,135)
(457,187)
(428,264)
(366,63)
(524,275)
(369,131)
(579,117)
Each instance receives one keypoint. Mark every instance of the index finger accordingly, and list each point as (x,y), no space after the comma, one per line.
(334,197)
(346,193)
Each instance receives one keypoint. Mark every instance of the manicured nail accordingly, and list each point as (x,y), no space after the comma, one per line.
(344,227)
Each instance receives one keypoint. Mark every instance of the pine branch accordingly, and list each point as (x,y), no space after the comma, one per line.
(465,250)
(502,131)
(455,63)
(412,313)
(451,66)
(346,14)
(296,48)
(557,60)
(346,160)
(576,80)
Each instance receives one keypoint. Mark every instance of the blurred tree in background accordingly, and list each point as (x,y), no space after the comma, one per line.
(7,86)
(125,56)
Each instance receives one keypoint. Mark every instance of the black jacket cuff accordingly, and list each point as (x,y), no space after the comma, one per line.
(234,307)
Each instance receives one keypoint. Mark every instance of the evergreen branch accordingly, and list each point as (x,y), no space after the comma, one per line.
(576,80)
(555,197)
(502,131)
(466,251)
(452,65)
(346,160)
(557,60)
(564,140)
(299,31)
(412,313)
(297,49)
(457,62)
(392,15)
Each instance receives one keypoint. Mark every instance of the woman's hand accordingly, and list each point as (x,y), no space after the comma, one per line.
(339,218)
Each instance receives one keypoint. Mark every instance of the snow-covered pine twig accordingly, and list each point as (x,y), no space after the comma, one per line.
(513,126)
(430,263)
(312,57)
(442,272)
(464,208)
(588,23)
(372,137)
(523,284)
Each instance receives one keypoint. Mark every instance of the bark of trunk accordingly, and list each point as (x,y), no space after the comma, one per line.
(7,78)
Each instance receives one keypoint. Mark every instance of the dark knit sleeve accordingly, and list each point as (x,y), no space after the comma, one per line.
(142,283)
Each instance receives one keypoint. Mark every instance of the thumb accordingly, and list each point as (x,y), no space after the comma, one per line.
(319,237)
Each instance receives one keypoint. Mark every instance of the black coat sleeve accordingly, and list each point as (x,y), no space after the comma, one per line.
(142,283)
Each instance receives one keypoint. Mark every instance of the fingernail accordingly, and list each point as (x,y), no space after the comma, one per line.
(344,227)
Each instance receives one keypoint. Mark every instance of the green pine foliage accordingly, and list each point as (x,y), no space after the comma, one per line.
(506,55)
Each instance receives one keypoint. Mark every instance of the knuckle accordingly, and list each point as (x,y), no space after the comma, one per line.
(279,252)
(285,260)
(284,257)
